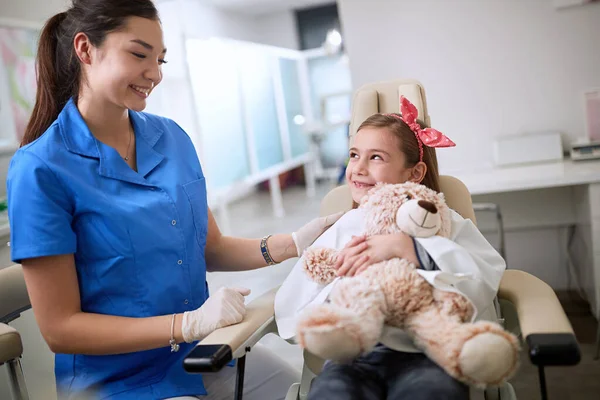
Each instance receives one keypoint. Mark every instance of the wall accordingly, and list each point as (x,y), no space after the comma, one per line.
(35,11)
(490,68)
(278,29)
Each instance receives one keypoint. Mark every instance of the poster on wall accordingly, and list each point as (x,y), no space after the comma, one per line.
(17,79)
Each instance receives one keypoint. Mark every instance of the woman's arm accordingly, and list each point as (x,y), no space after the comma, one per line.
(54,292)
(226,253)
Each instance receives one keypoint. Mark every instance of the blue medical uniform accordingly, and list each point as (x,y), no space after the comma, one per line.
(138,239)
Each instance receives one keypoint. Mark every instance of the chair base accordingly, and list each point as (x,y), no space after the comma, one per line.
(504,392)
(16,380)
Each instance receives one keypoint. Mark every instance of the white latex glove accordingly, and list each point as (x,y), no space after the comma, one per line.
(306,235)
(225,307)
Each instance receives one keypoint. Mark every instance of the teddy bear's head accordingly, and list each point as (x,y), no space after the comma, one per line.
(406,207)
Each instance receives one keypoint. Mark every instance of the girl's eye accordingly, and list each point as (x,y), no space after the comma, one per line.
(376,157)
(353,155)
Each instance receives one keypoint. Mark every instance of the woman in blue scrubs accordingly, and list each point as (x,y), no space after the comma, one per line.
(109,218)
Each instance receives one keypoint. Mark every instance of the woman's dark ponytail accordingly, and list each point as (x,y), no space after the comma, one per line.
(48,101)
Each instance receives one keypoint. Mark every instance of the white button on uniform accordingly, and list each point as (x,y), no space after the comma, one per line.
(179,262)
(173,222)
(186,301)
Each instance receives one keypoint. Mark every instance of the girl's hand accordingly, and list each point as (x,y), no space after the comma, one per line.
(360,252)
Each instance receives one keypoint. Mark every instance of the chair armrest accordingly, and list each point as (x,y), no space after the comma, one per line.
(225,344)
(11,346)
(543,322)
(13,293)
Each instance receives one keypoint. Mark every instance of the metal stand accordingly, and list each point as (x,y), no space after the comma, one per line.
(239,379)
(543,383)
(16,380)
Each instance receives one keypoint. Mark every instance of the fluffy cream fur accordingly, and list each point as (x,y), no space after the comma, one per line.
(392,292)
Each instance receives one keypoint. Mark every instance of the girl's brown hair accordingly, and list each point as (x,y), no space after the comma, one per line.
(57,66)
(408,145)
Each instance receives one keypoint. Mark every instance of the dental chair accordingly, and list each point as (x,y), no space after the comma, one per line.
(527,306)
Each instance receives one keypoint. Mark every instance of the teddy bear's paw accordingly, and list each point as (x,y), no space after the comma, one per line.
(318,264)
(490,357)
(331,334)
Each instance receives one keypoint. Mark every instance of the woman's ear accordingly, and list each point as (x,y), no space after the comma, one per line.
(83,47)
(417,173)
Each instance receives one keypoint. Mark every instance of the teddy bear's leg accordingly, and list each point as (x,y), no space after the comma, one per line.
(453,305)
(479,353)
(350,324)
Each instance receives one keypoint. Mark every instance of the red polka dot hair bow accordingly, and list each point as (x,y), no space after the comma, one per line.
(429,137)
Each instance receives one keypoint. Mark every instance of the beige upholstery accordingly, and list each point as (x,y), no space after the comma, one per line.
(10,344)
(13,292)
(537,306)
(384,97)
(259,318)
(13,300)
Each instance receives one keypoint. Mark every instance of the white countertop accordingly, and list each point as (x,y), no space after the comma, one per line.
(528,177)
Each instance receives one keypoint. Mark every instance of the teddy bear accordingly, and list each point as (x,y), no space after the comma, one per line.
(392,292)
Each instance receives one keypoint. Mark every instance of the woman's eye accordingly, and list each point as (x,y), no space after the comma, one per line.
(162,61)
(138,55)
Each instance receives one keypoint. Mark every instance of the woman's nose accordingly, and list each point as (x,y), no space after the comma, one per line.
(154,74)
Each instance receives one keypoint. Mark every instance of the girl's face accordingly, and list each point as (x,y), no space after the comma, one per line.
(375,156)
(127,66)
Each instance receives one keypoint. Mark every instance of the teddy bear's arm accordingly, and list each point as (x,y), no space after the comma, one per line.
(318,264)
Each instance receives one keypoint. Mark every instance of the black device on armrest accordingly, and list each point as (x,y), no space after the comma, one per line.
(546,349)
(207,358)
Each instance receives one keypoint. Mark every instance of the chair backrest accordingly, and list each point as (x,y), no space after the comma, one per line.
(384,97)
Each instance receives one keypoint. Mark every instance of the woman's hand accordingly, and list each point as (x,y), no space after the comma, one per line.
(306,235)
(225,307)
(362,252)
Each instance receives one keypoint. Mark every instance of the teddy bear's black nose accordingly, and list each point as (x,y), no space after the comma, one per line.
(427,205)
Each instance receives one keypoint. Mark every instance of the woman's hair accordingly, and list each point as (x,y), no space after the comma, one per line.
(408,145)
(57,66)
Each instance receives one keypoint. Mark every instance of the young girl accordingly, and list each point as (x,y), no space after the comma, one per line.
(394,148)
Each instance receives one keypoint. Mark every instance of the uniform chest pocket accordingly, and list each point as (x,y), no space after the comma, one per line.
(196,194)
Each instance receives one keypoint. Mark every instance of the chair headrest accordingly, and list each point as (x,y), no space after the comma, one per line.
(384,97)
